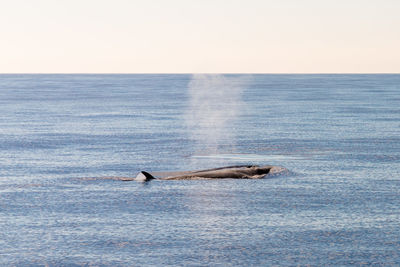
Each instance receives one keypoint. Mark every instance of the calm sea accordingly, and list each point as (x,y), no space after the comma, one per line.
(339,135)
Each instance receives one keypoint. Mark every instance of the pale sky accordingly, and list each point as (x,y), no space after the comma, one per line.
(199,36)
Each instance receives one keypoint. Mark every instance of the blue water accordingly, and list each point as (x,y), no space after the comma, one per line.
(339,135)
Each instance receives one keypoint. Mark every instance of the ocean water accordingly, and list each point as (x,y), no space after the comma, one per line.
(338,135)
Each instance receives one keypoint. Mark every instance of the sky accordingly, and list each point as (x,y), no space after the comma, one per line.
(200,36)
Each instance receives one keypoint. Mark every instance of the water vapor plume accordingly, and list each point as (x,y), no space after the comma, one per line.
(215,102)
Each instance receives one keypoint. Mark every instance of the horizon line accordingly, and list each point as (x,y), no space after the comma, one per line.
(186,73)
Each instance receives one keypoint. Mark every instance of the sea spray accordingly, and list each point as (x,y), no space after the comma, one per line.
(215,102)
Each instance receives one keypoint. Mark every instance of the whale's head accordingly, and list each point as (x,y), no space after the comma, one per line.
(259,170)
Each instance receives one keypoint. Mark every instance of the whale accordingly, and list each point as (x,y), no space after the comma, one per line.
(229,172)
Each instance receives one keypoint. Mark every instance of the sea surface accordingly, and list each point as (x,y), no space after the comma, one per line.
(338,135)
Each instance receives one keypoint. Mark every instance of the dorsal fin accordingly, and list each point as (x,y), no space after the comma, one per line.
(144,177)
